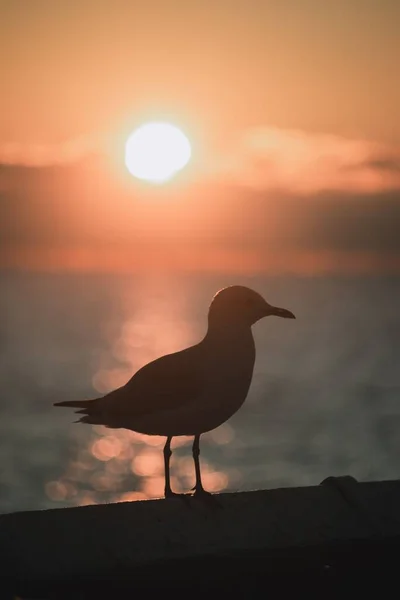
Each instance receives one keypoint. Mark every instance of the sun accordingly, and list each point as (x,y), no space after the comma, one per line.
(155,152)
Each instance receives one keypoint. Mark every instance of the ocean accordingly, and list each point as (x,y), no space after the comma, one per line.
(325,396)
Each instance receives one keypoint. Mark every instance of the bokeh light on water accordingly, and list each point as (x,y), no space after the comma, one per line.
(117,459)
(323,401)
(114,459)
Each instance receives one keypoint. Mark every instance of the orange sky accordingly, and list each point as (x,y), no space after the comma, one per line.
(295,99)
(77,68)
(82,217)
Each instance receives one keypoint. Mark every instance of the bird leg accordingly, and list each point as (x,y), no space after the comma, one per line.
(196,454)
(167,455)
(199,491)
(198,488)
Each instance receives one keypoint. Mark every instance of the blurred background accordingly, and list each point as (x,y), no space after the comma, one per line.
(292,188)
(324,398)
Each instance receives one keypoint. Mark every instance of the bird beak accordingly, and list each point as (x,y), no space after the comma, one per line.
(280,312)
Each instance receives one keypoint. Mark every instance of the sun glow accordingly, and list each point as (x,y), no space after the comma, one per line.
(156,152)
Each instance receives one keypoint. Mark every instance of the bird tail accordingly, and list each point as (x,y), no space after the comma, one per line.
(90,408)
(84,404)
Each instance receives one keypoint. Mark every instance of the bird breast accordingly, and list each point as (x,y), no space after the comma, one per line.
(228,372)
(225,369)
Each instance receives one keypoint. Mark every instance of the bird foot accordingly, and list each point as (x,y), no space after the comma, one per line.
(206,497)
(184,497)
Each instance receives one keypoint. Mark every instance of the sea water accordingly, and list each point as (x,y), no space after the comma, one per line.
(325,396)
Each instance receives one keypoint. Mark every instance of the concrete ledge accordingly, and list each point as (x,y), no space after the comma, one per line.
(161,543)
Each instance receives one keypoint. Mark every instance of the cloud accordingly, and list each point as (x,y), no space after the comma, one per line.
(385,163)
(264,158)
(305,163)
(282,198)
(49,154)
(77,217)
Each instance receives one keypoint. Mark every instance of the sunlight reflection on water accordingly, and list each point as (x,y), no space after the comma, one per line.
(324,397)
(113,456)
(158,325)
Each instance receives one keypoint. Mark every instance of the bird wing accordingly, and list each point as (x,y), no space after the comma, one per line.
(163,384)
(166,383)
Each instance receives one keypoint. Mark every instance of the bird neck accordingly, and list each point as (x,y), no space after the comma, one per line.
(226,332)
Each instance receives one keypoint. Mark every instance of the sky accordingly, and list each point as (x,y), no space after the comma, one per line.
(291,106)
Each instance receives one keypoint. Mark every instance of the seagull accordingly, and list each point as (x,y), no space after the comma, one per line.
(192,391)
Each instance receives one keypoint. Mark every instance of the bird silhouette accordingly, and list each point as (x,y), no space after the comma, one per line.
(194,390)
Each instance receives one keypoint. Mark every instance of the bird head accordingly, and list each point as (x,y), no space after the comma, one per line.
(237,304)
